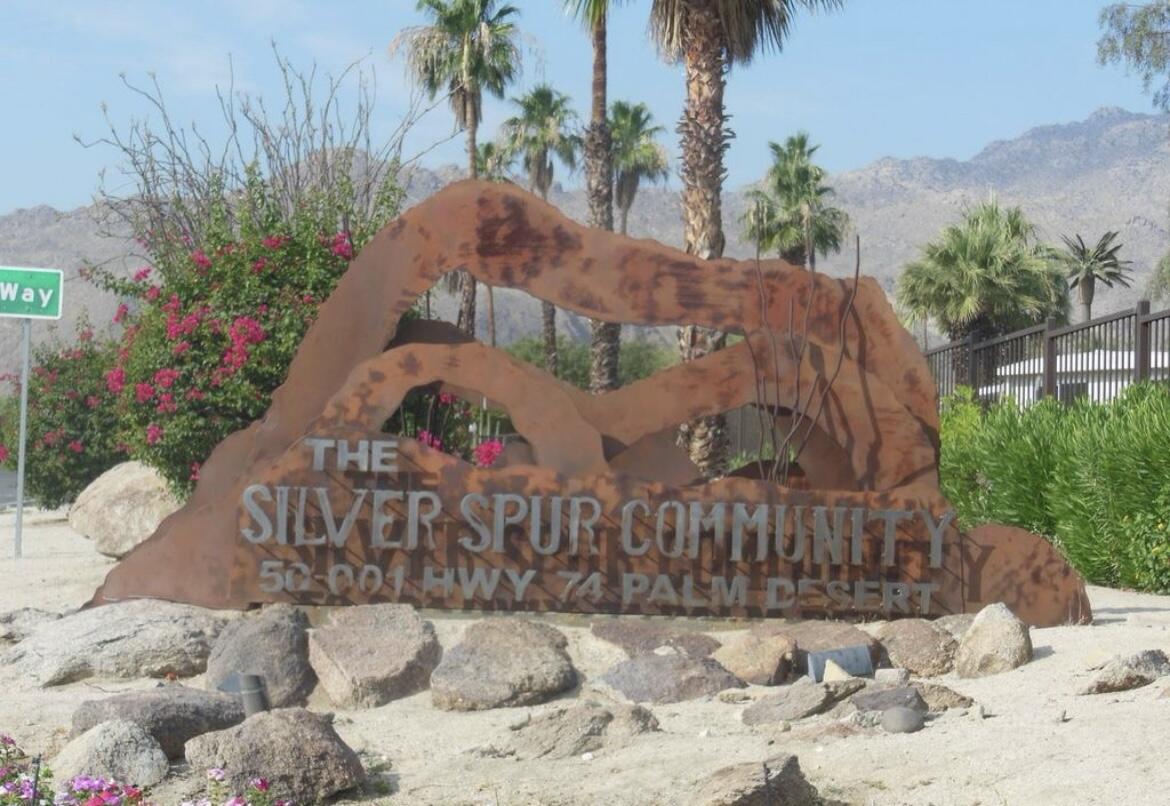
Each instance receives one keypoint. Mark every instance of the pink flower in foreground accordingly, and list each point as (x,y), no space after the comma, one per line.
(141,275)
(181,348)
(342,246)
(153,292)
(195,471)
(260,784)
(166,377)
(201,260)
(166,404)
(430,440)
(92,402)
(274,241)
(143,392)
(120,314)
(116,380)
(4,453)
(76,446)
(259,264)
(446,398)
(487,452)
(153,434)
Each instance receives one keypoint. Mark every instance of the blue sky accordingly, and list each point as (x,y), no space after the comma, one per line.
(900,78)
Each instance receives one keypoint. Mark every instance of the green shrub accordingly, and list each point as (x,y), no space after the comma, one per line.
(637,359)
(1094,478)
(72,420)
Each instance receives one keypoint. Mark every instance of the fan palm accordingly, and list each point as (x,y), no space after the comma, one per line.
(470,47)
(709,37)
(985,276)
(637,156)
(544,129)
(1088,265)
(791,214)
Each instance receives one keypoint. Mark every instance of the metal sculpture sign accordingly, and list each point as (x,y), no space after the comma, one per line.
(596,510)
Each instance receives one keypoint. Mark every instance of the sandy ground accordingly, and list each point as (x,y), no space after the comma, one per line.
(1108,749)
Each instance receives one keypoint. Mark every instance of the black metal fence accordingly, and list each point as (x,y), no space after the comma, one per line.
(1094,359)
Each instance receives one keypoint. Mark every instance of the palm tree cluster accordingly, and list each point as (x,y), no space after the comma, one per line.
(791,214)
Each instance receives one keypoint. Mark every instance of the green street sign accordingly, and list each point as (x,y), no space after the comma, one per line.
(31,293)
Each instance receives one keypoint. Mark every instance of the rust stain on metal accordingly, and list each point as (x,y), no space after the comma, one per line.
(598,511)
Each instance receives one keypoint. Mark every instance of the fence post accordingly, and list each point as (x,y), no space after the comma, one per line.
(1141,341)
(1049,385)
(969,352)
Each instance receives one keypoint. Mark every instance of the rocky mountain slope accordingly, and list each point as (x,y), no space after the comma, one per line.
(1110,171)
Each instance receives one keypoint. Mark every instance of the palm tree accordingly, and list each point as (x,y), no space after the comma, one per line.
(469,48)
(791,214)
(1086,266)
(985,276)
(637,156)
(542,129)
(606,336)
(709,37)
(493,160)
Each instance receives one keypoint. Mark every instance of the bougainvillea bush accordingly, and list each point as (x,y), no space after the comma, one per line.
(72,419)
(214,327)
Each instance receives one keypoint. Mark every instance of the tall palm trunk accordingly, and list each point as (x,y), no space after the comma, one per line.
(1086,289)
(605,344)
(466,319)
(624,213)
(703,133)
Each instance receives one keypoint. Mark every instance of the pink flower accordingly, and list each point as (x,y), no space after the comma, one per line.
(143,392)
(3,454)
(201,260)
(487,452)
(116,380)
(194,394)
(153,434)
(121,313)
(166,404)
(76,446)
(342,246)
(166,377)
(430,440)
(275,241)
(85,335)
(180,348)
(153,292)
(173,304)
(446,398)
(216,774)
(92,402)
(259,264)
(195,471)
(141,275)
(260,784)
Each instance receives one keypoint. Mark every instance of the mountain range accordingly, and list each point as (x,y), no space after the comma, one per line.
(1110,171)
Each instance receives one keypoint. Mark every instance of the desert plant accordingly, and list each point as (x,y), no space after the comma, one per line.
(1088,265)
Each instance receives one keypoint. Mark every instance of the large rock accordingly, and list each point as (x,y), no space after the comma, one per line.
(122,507)
(171,714)
(956,624)
(117,749)
(503,662)
(1126,672)
(669,676)
(901,720)
(369,655)
(922,647)
(801,699)
(16,625)
(136,638)
(778,781)
(641,636)
(939,698)
(584,728)
(882,698)
(298,751)
(273,644)
(762,660)
(996,642)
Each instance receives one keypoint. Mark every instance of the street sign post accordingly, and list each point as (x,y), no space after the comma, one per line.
(27,294)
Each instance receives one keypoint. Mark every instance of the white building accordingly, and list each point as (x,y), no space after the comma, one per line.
(1099,375)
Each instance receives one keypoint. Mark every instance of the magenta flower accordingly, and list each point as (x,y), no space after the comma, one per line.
(143,392)
(216,774)
(201,260)
(487,452)
(166,377)
(342,246)
(260,784)
(153,434)
(430,440)
(153,292)
(116,380)
(4,458)
(274,241)
(76,446)
(120,314)
(141,275)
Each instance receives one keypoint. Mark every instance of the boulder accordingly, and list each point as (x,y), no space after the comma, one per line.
(298,751)
(1126,672)
(584,728)
(16,625)
(271,643)
(641,636)
(883,698)
(503,662)
(367,656)
(117,749)
(669,677)
(171,714)
(122,507)
(956,624)
(778,781)
(939,698)
(801,699)
(761,660)
(819,636)
(996,642)
(131,639)
(920,646)
(892,677)
(902,720)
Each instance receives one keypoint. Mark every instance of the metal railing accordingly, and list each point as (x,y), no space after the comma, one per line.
(1095,359)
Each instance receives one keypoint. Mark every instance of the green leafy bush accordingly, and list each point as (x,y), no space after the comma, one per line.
(637,359)
(72,420)
(1094,478)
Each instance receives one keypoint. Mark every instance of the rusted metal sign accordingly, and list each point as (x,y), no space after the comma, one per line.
(314,504)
